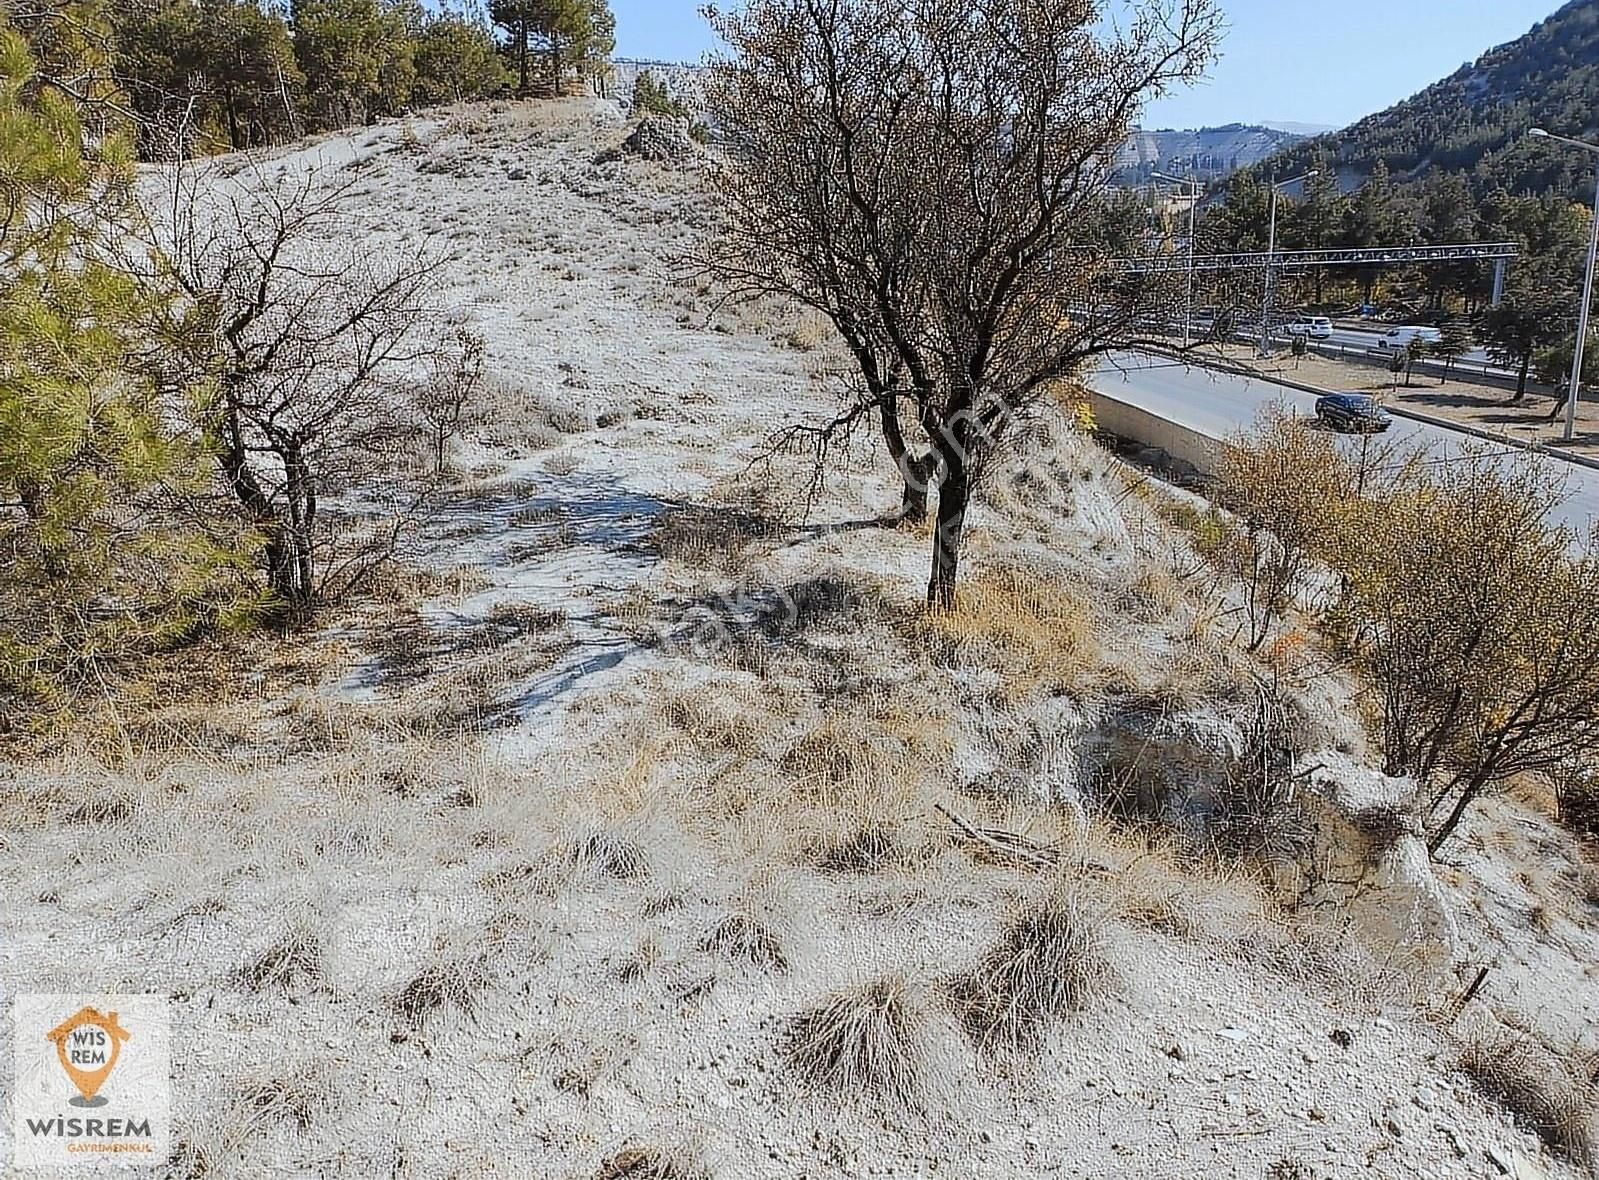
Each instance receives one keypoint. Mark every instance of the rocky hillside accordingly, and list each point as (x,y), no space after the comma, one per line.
(645,825)
(1209,153)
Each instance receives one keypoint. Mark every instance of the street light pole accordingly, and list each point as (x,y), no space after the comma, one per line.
(1264,350)
(1188,300)
(1587,286)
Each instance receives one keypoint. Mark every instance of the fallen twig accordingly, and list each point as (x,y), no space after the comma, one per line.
(1003,843)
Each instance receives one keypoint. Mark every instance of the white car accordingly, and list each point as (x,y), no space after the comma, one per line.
(1405,337)
(1316,327)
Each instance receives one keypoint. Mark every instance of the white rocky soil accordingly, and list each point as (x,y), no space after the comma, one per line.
(445,890)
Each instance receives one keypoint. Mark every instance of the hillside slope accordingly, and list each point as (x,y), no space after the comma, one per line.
(644,825)
(1475,122)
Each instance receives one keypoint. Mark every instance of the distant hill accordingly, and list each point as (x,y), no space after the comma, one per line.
(682,80)
(1475,122)
(1209,153)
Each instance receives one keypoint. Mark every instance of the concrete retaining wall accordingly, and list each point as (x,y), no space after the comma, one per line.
(1199,451)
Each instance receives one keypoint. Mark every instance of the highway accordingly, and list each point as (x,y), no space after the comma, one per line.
(1367,339)
(1222,404)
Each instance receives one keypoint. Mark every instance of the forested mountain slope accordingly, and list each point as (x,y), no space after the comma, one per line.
(1474,123)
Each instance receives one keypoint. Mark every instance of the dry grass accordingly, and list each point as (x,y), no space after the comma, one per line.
(650,1163)
(1037,635)
(1537,1088)
(885,754)
(869,849)
(1050,961)
(719,536)
(744,940)
(865,1041)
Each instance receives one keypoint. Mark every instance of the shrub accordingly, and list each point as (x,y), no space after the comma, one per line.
(651,97)
(1290,488)
(1476,627)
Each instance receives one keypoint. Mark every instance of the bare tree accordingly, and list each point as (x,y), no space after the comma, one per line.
(931,175)
(455,373)
(313,340)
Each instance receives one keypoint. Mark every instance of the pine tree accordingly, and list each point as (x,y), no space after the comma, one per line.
(1536,310)
(221,73)
(456,59)
(93,447)
(574,36)
(357,59)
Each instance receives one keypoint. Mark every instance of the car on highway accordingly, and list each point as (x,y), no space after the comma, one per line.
(1406,336)
(1316,327)
(1352,413)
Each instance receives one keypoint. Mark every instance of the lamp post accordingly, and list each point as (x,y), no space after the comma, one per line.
(1271,250)
(1193,206)
(1587,285)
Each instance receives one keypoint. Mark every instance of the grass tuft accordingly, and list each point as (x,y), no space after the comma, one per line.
(743,939)
(292,959)
(863,1041)
(1538,1090)
(871,848)
(609,855)
(649,1163)
(436,988)
(1049,963)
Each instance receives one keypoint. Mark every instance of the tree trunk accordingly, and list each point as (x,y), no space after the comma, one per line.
(277,551)
(1521,378)
(1463,800)
(954,492)
(228,100)
(521,59)
(299,592)
(915,470)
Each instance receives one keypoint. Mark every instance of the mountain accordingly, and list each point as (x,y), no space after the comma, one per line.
(682,80)
(1475,122)
(1209,153)
(1306,129)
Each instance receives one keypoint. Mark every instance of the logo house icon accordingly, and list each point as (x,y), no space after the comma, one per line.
(88,1046)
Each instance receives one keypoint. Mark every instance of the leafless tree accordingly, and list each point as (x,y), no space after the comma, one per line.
(455,373)
(314,341)
(931,175)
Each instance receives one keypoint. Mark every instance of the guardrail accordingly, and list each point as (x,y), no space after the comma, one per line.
(1477,372)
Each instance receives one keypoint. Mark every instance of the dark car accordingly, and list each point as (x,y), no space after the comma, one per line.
(1352,413)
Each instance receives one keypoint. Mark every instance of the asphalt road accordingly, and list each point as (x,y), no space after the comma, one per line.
(1222,404)
(1359,338)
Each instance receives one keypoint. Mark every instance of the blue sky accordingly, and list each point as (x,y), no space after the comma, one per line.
(1307,61)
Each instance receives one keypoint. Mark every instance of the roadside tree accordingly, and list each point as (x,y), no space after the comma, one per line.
(931,177)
